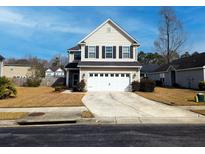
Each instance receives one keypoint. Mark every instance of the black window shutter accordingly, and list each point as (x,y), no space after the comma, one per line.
(103,51)
(97,51)
(120,51)
(131,51)
(86,51)
(114,51)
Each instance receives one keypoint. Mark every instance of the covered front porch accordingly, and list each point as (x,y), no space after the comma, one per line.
(72,75)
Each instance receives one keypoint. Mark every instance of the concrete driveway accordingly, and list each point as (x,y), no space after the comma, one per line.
(130,105)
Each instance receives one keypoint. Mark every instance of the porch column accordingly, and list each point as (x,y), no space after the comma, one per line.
(67,78)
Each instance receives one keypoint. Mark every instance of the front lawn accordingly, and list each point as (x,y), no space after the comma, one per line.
(199,111)
(12,115)
(172,96)
(42,97)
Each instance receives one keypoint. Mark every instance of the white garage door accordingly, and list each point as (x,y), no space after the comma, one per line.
(108,82)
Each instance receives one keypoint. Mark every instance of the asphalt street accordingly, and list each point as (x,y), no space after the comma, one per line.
(103,136)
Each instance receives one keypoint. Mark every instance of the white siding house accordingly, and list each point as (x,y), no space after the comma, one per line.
(186,72)
(55,72)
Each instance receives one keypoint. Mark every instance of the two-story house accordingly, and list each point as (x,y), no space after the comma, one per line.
(106,59)
(1,65)
(55,72)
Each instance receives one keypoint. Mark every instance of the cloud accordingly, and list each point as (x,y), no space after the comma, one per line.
(16,18)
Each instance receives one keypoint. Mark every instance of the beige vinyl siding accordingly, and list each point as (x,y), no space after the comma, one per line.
(1,68)
(17,71)
(104,38)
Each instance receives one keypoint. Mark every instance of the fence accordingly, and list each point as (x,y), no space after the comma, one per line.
(51,81)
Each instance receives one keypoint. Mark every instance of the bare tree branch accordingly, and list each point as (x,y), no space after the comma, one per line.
(171,35)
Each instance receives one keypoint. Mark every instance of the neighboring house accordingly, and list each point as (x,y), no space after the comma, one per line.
(1,65)
(55,72)
(17,70)
(106,59)
(148,68)
(186,72)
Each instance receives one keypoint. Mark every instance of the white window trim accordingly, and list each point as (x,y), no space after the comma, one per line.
(89,54)
(123,52)
(106,54)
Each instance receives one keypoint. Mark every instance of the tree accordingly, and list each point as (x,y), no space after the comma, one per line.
(195,53)
(38,66)
(147,58)
(186,54)
(58,61)
(171,35)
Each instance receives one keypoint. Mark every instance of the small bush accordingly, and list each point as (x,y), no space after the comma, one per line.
(7,88)
(135,86)
(176,85)
(59,88)
(33,82)
(201,85)
(80,86)
(147,85)
(159,83)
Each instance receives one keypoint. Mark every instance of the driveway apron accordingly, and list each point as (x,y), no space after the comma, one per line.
(130,105)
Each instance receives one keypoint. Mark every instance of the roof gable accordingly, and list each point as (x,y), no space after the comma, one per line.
(116,26)
(1,58)
(184,63)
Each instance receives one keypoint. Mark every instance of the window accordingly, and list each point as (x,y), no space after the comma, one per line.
(117,75)
(108,29)
(91,52)
(91,75)
(101,75)
(106,75)
(112,75)
(77,55)
(122,75)
(108,52)
(127,75)
(125,52)
(96,74)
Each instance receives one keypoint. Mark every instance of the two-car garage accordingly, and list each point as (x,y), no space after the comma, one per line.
(108,82)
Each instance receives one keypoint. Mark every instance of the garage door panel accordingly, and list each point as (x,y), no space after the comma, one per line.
(112,82)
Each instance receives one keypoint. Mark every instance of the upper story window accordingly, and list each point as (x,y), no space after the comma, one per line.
(109,52)
(77,55)
(91,51)
(125,52)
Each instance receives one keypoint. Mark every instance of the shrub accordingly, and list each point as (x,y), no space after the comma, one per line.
(176,85)
(80,86)
(135,86)
(201,85)
(159,83)
(33,82)
(147,85)
(59,88)
(7,88)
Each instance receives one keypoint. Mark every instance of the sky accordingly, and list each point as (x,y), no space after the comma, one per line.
(49,31)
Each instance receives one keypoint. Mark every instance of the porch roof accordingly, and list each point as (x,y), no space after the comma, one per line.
(107,64)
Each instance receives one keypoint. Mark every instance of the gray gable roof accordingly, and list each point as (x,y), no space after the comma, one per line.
(185,63)
(75,48)
(149,67)
(1,58)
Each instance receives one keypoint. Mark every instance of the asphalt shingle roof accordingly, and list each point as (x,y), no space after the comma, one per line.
(184,63)
(107,63)
(1,57)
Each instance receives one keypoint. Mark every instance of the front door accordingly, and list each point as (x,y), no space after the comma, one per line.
(75,80)
(173,77)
